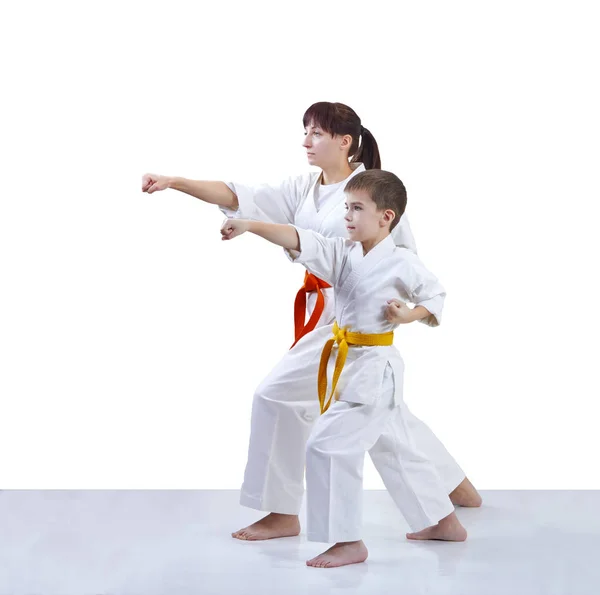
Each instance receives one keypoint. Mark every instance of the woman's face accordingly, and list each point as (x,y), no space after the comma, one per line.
(322,149)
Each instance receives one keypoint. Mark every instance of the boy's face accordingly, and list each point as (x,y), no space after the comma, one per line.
(363,221)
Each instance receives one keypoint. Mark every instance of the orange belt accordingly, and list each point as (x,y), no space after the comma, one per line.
(311,283)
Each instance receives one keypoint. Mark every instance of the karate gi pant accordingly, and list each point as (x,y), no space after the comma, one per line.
(284,411)
(335,457)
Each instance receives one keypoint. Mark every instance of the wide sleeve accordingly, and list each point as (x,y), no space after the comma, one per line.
(269,203)
(321,256)
(421,287)
(403,236)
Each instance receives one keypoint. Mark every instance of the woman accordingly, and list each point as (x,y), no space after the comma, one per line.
(337,143)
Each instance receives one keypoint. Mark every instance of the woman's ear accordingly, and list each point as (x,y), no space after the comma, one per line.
(346,142)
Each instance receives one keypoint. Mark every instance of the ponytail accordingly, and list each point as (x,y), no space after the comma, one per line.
(368,152)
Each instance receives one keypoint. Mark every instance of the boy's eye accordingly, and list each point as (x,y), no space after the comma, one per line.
(357,208)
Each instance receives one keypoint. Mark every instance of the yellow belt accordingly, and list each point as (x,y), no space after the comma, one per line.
(343,338)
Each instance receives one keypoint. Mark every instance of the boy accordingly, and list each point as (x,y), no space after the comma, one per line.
(363,408)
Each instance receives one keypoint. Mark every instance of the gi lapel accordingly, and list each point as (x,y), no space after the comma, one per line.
(327,208)
(363,265)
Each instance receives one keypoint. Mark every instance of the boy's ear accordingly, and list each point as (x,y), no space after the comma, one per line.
(388,216)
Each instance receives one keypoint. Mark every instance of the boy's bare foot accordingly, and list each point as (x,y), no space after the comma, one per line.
(270,527)
(448,529)
(465,494)
(341,554)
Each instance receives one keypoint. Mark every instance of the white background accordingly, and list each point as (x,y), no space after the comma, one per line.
(132,338)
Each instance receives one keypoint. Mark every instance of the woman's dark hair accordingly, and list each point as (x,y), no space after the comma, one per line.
(385,189)
(339,119)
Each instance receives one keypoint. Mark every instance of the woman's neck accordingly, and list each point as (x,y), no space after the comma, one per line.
(335,174)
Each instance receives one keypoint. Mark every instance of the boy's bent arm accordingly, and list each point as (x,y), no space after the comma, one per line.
(422,288)
(285,236)
(419,313)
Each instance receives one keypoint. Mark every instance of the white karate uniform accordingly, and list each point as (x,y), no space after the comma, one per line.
(285,403)
(296,201)
(369,411)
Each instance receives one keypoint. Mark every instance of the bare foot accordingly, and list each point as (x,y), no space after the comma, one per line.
(270,527)
(448,529)
(465,494)
(341,554)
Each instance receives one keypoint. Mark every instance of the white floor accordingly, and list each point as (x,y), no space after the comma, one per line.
(178,543)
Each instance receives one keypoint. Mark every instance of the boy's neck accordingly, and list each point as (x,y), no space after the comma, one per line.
(368,245)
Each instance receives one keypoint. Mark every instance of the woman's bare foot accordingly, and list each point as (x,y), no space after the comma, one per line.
(448,529)
(270,527)
(341,554)
(465,494)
